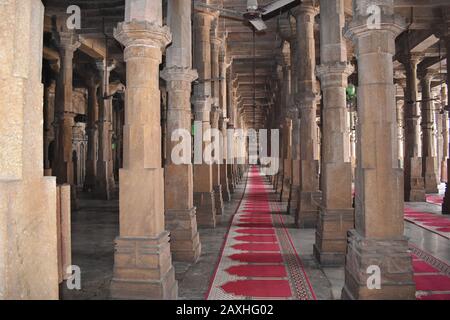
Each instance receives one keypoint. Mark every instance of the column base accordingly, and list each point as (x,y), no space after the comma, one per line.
(143,269)
(184,237)
(331,236)
(393,259)
(307,210)
(218,199)
(285,190)
(230,179)
(293,199)
(226,191)
(206,209)
(104,184)
(430,177)
(415,191)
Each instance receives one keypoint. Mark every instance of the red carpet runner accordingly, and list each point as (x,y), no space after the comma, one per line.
(430,221)
(258,260)
(432,276)
(435,199)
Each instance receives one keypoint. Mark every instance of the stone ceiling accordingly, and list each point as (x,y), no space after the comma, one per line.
(421,16)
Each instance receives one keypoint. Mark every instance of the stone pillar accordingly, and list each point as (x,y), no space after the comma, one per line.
(142,261)
(105,167)
(400,112)
(336,215)
(223,120)
(295,166)
(428,144)
(446,204)
(67,42)
(414,182)
(230,125)
(286,163)
(180,213)
(28,241)
(287,151)
(92,83)
(216,44)
(294,188)
(49,117)
(378,238)
(444,133)
(307,210)
(204,198)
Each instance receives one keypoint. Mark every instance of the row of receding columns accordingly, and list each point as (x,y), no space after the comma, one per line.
(372,232)
(161,208)
(99,165)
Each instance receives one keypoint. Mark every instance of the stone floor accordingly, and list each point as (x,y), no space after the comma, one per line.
(95,225)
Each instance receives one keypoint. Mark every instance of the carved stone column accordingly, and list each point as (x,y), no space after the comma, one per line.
(336,215)
(377,240)
(105,168)
(64,116)
(400,114)
(223,120)
(231,107)
(142,261)
(428,144)
(49,117)
(414,182)
(446,204)
(444,133)
(294,188)
(28,241)
(91,129)
(204,198)
(216,44)
(307,210)
(180,214)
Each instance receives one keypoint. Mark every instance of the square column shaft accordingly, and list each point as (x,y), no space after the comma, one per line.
(28,225)
(336,214)
(180,215)
(377,242)
(142,261)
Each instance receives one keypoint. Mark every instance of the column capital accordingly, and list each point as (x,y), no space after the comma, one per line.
(68,41)
(142,34)
(305,9)
(336,74)
(103,65)
(410,58)
(204,16)
(292,112)
(306,99)
(362,25)
(288,30)
(179,74)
